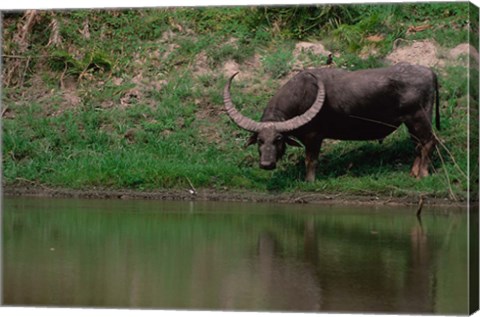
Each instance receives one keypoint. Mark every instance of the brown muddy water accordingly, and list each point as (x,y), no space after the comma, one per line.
(233,256)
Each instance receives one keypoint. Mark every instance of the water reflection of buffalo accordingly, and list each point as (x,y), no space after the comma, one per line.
(331,276)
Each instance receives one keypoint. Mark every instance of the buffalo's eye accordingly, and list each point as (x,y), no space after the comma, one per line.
(278,138)
(260,142)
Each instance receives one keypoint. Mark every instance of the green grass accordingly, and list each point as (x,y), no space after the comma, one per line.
(279,63)
(147,118)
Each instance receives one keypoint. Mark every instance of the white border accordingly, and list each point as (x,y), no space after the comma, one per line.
(83,4)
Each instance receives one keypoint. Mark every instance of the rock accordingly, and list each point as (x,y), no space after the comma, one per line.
(315,48)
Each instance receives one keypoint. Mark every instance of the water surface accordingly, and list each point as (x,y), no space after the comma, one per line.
(233,256)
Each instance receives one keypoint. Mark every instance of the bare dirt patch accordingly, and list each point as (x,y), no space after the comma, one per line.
(419,52)
(254,62)
(71,99)
(429,54)
(55,99)
(248,70)
(464,49)
(231,67)
(200,66)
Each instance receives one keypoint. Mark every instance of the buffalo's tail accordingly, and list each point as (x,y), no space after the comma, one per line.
(437,102)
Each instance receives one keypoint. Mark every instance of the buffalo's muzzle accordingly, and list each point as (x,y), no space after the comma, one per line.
(268,165)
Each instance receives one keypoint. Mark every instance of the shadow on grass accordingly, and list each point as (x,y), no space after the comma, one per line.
(352,158)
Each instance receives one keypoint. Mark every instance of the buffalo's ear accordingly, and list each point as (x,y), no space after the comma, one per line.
(292,142)
(251,140)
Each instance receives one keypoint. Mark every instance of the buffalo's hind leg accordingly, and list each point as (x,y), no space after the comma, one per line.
(420,129)
(426,152)
(415,171)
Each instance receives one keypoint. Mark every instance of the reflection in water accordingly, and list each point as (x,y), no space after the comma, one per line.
(233,256)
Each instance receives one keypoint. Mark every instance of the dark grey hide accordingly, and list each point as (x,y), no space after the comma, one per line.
(360,105)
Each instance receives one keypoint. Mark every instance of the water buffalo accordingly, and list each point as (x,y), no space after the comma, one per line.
(329,103)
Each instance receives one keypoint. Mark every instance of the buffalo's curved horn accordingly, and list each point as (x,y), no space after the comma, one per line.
(307,116)
(283,126)
(242,121)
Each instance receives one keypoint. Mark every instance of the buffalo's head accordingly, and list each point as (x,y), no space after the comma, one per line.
(271,146)
(272,136)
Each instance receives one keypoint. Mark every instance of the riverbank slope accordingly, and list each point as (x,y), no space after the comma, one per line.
(131,100)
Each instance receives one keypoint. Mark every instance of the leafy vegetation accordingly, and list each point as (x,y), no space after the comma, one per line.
(133,98)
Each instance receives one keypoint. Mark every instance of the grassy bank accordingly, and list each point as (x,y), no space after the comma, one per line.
(133,98)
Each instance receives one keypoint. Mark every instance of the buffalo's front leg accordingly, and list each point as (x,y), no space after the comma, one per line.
(312,150)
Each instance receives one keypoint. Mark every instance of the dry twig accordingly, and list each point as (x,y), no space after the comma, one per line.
(5,109)
(55,38)
(16,70)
